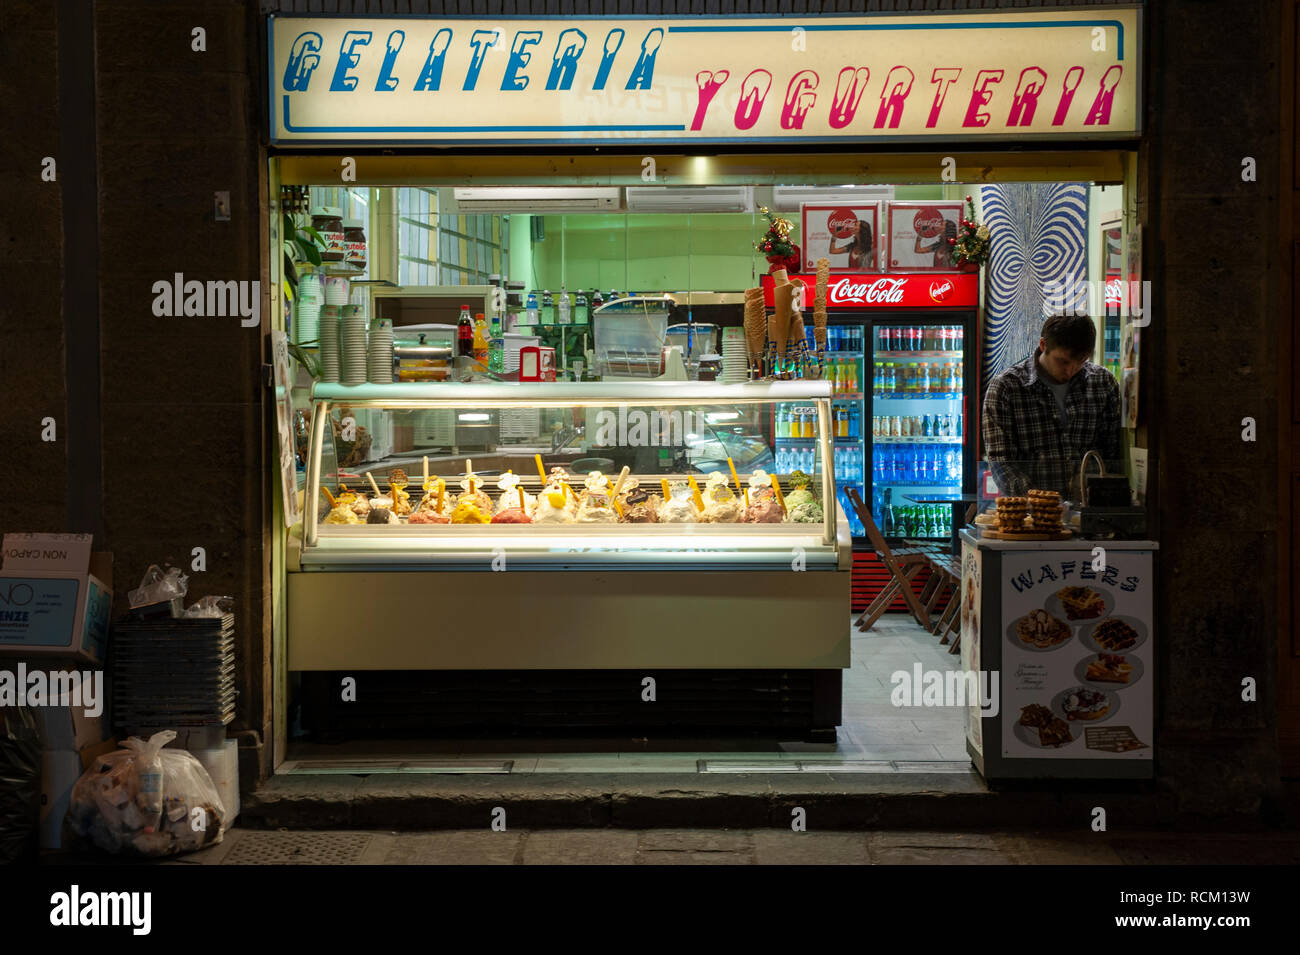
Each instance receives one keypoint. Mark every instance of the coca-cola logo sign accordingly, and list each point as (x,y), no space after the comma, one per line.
(879,292)
(940,290)
(928,222)
(842,223)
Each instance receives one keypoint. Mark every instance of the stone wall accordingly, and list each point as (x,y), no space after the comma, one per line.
(1213,94)
(183,421)
(32,378)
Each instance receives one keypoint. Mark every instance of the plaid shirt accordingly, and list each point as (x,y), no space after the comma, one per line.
(1023,438)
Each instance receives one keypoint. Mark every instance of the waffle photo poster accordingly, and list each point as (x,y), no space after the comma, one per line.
(849,236)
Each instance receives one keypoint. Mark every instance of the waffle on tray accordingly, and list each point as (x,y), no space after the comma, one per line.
(1011,513)
(1045,511)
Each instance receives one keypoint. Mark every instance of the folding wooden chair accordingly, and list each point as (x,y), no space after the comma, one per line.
(903,565)
(949,568)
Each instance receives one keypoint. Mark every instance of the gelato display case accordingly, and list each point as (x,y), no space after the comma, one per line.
(656,540)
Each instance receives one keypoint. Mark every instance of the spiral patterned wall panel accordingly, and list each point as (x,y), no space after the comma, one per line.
(1039,234)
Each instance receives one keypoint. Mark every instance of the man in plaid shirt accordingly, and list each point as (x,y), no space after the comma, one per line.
(1043,414)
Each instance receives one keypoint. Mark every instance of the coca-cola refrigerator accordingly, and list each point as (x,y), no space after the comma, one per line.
(901,357)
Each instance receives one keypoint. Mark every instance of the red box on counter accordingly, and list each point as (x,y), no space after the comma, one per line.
(536,363)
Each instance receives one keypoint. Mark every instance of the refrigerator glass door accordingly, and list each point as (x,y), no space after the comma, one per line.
(917,425)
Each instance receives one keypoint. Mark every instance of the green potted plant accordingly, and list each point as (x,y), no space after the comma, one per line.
(302,243)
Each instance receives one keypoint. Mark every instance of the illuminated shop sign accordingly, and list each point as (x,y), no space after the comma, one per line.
(884,78)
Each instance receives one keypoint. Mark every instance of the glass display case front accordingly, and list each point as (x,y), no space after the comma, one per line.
(645,475)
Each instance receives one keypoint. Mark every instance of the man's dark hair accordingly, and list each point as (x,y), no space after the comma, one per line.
(1077,334)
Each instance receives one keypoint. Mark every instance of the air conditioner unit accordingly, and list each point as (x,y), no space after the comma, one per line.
(680,199)
(789,198)
(552,200)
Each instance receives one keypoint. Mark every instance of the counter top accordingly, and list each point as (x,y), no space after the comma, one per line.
(1074,543)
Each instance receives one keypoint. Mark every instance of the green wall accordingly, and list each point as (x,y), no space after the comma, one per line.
(649,252)
(701,252)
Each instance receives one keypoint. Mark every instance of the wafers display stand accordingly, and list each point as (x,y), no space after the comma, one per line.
(1110,728)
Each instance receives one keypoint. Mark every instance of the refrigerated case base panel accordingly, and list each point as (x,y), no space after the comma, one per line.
(531,702)
(520,619)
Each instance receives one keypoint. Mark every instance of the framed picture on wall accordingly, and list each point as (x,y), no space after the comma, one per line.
(918,234)
(847,235)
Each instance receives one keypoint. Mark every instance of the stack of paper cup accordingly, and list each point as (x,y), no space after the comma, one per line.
(380,363)
(307,309)
(336,291)
(352,343)
(734,363)
(329,343)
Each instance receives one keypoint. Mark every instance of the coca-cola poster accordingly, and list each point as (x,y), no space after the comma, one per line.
(848,235)
(918,235)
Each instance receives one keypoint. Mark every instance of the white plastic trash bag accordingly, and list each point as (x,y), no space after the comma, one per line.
(147,800)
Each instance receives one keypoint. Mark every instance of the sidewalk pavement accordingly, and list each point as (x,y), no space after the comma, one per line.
(731,847)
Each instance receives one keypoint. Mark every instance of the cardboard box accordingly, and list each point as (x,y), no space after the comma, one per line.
(55,597)
(67,726)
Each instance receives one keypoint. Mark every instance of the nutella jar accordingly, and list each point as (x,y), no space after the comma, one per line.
(354,243)
(328,222)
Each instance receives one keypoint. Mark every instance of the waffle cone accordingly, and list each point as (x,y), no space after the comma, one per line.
(779,326)
(755,322)
(823,279)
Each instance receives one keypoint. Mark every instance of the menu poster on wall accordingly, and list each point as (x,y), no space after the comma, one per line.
(847,235)
(1078,655)
(972,573)
(919,233)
